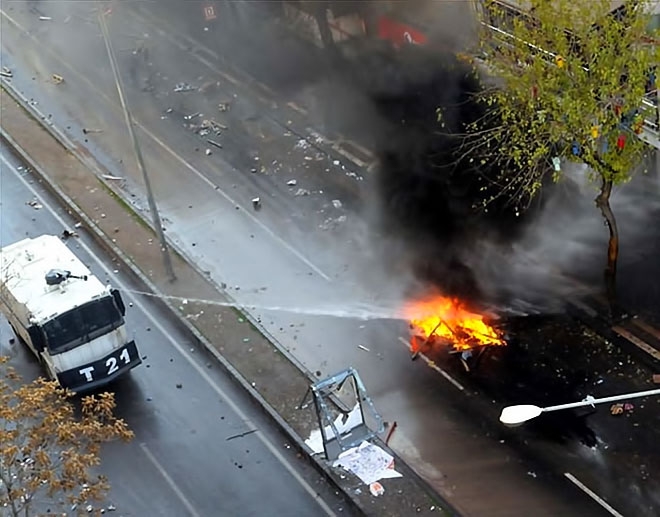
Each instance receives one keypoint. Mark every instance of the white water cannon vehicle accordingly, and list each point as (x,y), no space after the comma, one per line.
(71,322)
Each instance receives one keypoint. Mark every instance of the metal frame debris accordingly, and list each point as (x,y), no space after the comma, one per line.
(334,441)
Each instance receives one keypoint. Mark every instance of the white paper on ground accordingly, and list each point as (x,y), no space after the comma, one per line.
(353,419)
(368,462)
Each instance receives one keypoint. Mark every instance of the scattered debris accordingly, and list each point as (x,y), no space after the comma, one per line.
(110,177)
(336,203)
(302,192)
(57,79)
(292,183)
(208,152)
(256,203)
(531,473)
(376,489)
(6,72)
(214,143)
(616,409)
(369,462)
(335,162)
(67,234)
(183,87)
(362,347)
(390,432)
(331,223)
(223,106)
(343,424)
(35,204)
(240,435)
(206,127)
(191,116)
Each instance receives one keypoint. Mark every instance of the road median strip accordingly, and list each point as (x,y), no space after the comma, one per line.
(230,336)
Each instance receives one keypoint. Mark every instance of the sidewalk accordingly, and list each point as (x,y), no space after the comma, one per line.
(276,383)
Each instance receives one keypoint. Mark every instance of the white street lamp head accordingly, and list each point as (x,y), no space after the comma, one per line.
(516,415)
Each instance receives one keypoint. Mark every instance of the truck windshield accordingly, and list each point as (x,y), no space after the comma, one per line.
(82,324)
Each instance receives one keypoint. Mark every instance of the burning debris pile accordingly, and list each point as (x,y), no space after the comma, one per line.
(448,321)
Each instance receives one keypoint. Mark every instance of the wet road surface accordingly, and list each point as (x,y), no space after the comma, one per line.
(201,447)
(276,243)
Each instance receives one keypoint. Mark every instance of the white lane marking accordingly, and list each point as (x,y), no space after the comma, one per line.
(433,366)
(181,160)
(175,488)
(201,371)
(592,494)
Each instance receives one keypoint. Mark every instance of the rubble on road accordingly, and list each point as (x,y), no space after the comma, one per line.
(184,87)
(292,183)
(331,223)
(206,127)
(67,234)
(302,192)
(224,106)
(336,203)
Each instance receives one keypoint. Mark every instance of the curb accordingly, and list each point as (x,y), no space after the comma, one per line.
(103,240)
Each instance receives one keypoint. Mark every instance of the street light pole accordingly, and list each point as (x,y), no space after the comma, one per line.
(167,261)
(515,415)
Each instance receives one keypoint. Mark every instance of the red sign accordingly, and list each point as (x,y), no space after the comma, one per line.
(399,33)
(209,13)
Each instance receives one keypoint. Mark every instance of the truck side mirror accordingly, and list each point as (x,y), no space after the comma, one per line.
(119,302)
(37,337)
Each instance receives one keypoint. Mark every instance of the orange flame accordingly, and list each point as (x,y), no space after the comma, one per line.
(449,319)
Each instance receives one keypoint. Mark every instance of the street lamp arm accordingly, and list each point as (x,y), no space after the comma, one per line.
(591,401)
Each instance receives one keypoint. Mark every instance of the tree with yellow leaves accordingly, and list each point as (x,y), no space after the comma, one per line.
(48,450)
(572,81)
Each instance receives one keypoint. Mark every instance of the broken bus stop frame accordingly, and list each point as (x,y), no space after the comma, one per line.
(321,391)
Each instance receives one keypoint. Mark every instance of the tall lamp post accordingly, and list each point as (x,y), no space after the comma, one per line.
(167,261)
(516,415)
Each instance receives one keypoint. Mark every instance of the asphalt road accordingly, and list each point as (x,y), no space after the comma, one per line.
(201,447)
(273,258)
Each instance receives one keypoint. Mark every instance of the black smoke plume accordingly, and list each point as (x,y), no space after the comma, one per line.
(431,187)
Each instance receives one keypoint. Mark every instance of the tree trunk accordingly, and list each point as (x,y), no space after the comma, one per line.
(321,16)
(603,203)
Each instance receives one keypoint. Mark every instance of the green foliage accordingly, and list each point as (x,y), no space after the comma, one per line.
(569,75)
